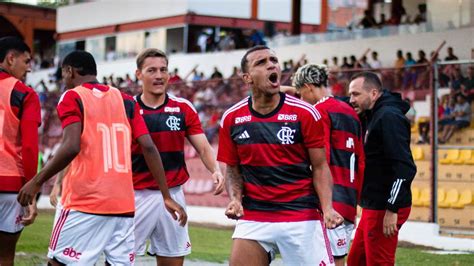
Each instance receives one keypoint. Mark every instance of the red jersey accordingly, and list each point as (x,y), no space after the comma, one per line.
(22,105)
(168,124)
(344,152)
(271,151)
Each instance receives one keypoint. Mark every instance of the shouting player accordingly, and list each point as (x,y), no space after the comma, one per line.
(269,142)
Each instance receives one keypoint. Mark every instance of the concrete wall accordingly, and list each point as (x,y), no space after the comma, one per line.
(111,12)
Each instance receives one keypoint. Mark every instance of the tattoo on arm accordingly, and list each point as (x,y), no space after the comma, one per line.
(234,182)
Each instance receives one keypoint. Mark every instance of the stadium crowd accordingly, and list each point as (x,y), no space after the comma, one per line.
(213,94)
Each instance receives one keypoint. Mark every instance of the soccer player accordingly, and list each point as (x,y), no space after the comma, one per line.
(386,195)
(269,142)
(344,151)
(19,120)
(170,120)
(97,203)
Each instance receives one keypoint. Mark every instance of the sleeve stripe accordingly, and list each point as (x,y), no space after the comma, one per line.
(303,104)
(315,115)
(237,106)
(395,189)
(181,100)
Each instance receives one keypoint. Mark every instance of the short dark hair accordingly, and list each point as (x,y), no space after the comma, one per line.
(150,52)
(11,43)
(371,79)
(82,61)
(243,62)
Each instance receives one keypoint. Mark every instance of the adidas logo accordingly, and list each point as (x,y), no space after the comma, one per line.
(244,135)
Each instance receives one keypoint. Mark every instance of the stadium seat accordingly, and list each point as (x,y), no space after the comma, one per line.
(417,153)
(464,156)
(423,199)
(441,195)
(450,156)
(452,196)
(415,194)
(470,161)
(464,199)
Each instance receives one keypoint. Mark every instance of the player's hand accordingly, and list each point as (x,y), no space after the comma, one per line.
(234,210)
(218,182)
(177,211)
(390,223)
(30,215)
(53,196)
(28,192)
(332,219)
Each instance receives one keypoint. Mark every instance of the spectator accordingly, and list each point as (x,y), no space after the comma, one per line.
(196,76)
(335,66)
(375,64)
(325,62)
(383,21)
(216,74)
(451,56)
(421,16)
(422,71)
(462,118)
(410,75)
(353,63)
(363,63)
(345,63)
(256,38)
(468,84)
(226,41)
(368,20)
(202,41)
(424,127)
(400,61)
(456,81)
(235,73)
(175,78)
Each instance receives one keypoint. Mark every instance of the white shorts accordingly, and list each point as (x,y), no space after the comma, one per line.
(340,238)
(80,238)
(10,213)
(154,222)
(299,243)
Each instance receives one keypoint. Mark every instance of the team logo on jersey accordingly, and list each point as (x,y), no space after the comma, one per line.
(173,123)
(172,109)
(242,119)
(286,135)
(287,117)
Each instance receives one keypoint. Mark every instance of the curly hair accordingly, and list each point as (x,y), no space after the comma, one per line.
(312,74)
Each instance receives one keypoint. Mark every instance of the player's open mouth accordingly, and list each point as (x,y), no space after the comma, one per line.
(273,78)
(159,83)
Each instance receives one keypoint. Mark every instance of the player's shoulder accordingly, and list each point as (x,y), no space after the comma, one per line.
(302,107)
(235,109)
(127,97)
(67,96)
(181,102)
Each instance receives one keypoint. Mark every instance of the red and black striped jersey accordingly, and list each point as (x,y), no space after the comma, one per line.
(344,152)
(168,124)
(272,153)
